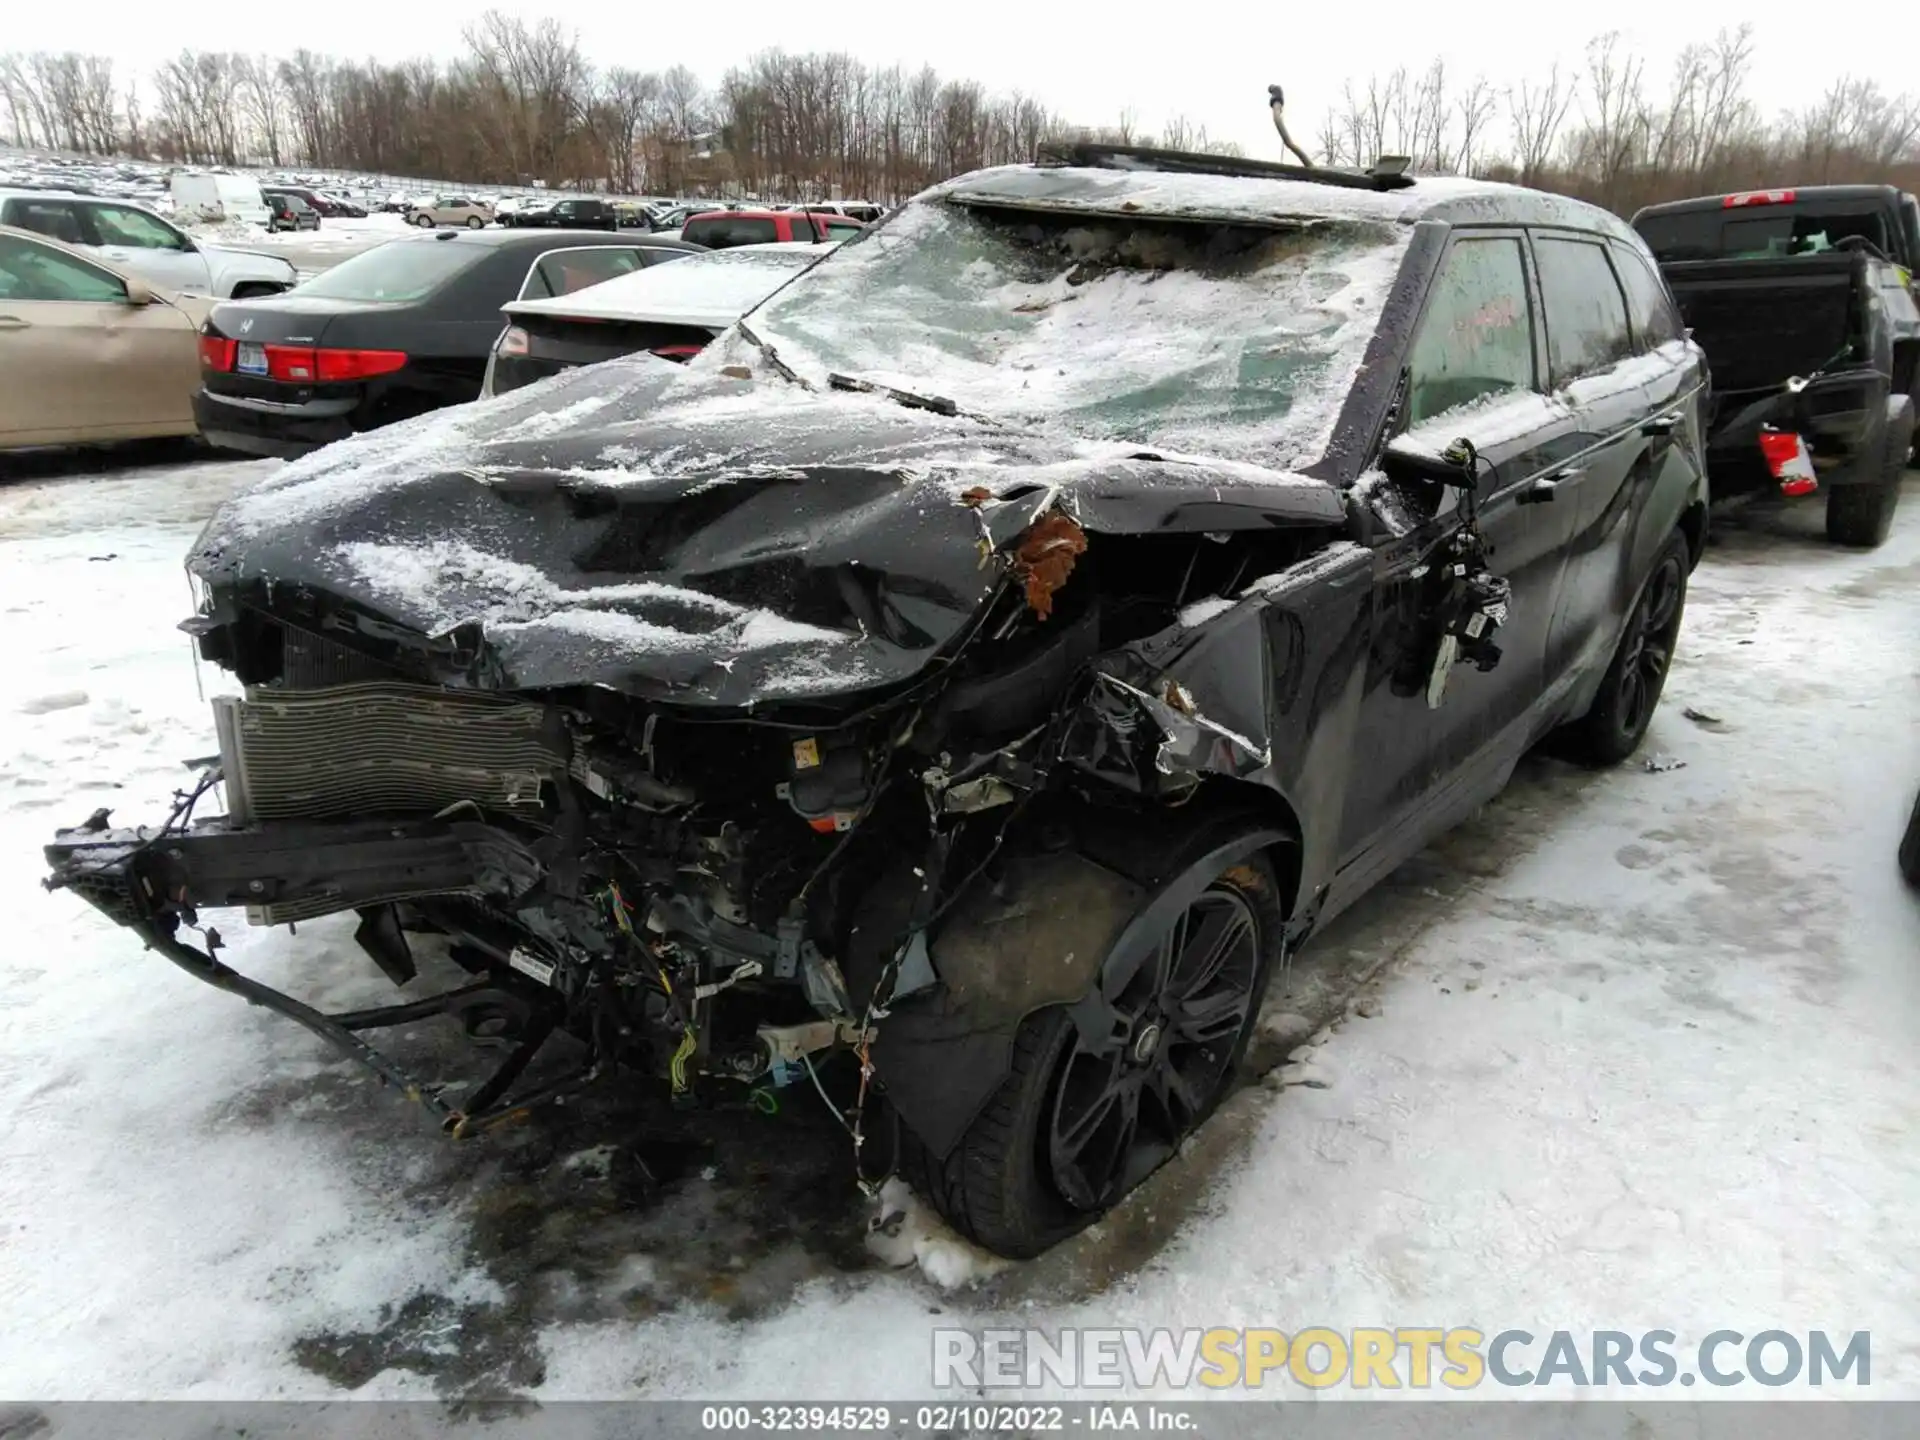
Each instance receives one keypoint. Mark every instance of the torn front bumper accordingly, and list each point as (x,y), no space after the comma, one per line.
(287,870)
(155,881)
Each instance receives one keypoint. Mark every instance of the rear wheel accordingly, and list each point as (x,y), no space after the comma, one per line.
(1613,728)
(1101,1092)
(1862,515)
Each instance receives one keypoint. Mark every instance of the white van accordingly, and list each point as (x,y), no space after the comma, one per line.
(216,195)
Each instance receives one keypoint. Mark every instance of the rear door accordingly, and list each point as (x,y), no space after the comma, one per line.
(1593,497)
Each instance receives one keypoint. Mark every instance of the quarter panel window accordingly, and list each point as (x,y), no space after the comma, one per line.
(1476,338)
(54,218)
(1586,313)
(1649,306)
(562,272)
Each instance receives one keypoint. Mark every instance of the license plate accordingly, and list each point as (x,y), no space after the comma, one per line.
(251,359)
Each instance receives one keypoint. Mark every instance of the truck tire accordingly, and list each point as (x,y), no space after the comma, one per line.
(1081,1120)
(1617,721)
(1862,515)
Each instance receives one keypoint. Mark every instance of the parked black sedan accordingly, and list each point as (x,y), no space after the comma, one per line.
(393,332)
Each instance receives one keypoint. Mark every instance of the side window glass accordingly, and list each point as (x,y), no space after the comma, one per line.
(122,225)
(1649,306)
(1586,313)
(37,272)
(1477,335)
(755,232)
(48,217)
(564,271)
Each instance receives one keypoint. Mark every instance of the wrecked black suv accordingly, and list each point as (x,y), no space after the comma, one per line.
(991,659)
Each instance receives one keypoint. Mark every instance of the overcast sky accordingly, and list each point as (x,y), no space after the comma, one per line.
(1211,61)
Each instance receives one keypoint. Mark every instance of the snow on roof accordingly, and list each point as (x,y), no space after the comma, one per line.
(1253,199)
(1250,199)
(710,290)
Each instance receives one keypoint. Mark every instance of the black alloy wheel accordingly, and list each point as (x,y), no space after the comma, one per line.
(1101,1090)
(1649,643)
(1629,693)
(1148,1055)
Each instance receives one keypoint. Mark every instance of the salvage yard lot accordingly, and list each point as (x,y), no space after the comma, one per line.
(1631,1050)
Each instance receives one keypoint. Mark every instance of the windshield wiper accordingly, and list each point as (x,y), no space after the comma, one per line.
(780,367)
(939,404)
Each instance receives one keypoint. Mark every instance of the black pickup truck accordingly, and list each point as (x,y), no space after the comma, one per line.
(1802,300)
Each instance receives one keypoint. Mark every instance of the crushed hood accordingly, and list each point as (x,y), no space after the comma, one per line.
(681,535)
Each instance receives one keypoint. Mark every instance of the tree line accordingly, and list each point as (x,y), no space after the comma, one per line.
(1603,131)
(523,104)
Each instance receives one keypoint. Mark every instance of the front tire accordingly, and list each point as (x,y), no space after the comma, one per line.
(1100,1093)
(1617,721)
(425,222)
(474,222)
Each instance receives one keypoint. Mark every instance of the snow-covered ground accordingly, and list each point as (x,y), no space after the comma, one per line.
(1627,1051)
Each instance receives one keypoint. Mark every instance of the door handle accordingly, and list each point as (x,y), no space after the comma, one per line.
(1542,491)
(1661,424)
(14,322)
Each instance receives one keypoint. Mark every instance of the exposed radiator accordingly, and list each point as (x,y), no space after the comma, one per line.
(313,662)
(381,748)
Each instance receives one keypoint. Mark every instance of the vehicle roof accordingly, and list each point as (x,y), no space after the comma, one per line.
(1267,198)
(757,213)
(711,289)
(28,192)
(535,239)
(1887,193)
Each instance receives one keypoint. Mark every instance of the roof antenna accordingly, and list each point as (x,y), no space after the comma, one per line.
(1277,103)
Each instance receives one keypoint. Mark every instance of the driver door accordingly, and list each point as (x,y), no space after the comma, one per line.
(1475,371)
(83,363)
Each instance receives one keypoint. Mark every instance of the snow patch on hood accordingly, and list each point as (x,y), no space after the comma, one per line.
(442,586)
(452,583)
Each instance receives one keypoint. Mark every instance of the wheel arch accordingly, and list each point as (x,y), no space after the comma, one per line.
(1039,936)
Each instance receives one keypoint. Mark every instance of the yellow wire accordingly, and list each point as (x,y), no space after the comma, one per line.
(677,1070)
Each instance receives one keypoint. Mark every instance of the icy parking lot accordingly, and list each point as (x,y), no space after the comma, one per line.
(1633,1050)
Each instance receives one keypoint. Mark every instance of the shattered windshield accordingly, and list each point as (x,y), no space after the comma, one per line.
(1227,339)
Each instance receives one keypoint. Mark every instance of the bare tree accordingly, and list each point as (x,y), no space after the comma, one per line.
(1615,124)
(1475,109)
(1535,111)
(525,104)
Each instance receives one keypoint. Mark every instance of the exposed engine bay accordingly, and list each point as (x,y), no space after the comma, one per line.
(707,896)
